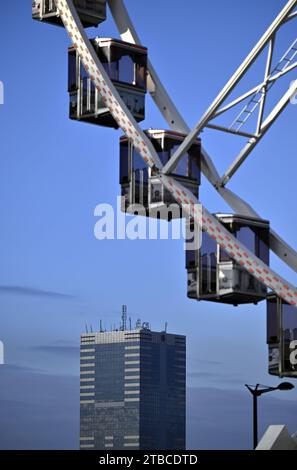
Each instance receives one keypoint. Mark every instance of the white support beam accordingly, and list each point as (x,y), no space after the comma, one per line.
(268,35)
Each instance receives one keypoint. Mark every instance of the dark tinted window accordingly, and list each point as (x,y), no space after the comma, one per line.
(72,71)
(140,76)
(137,187)
(189,164)
(290,319)
(49,6)
(272,322)
(182,168)
(164,156)
(145,186)
(162,150)
(156,192)
(83,73)
(248,238)
(208,246)
(84,92)
(224,257)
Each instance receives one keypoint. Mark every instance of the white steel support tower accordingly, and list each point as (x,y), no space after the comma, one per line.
(256,104)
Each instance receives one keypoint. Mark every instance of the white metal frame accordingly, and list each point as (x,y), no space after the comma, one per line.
(184,197)
(176,122)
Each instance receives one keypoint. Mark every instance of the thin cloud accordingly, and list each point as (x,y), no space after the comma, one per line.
(33,292)
(56,349)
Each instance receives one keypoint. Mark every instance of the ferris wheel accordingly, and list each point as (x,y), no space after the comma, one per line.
(161,169)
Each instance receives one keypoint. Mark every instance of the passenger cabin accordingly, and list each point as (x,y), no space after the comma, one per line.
(141,186)
(90,12)
(213,275)
(281,337)
(126,66)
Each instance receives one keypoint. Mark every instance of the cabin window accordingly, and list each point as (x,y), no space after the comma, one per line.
(124,162)
(272,321)
(263,245)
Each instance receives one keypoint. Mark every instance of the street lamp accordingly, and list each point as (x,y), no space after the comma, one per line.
(257,391)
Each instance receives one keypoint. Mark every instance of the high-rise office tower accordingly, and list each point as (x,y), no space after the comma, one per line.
(132,390)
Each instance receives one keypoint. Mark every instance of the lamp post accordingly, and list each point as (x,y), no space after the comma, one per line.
(257,391)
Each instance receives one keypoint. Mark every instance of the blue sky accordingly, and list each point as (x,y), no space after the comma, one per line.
(55,276)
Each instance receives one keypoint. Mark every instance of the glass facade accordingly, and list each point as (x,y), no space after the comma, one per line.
(132,390)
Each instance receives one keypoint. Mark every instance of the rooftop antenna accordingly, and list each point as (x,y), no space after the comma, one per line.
(91,328)
(138,324)
(87,329)
(101,327)
(146,325)
(166,324)
(124,317)
(130,323)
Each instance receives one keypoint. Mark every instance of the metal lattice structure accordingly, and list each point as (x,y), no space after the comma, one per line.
(191,206)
